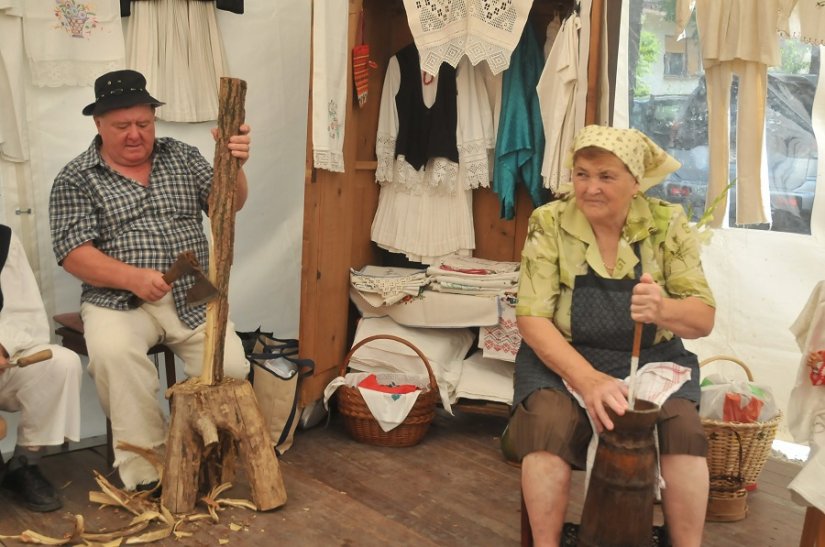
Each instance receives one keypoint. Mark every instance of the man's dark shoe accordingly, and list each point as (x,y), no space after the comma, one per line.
(153,488)
(30,487)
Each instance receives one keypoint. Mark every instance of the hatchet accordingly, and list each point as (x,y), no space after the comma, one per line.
(29,359)
(187,263)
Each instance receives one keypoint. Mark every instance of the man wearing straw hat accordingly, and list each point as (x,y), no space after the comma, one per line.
(595,262)
(121,212)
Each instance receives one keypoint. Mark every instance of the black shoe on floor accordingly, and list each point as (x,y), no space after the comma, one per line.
(30,487)
(153,488)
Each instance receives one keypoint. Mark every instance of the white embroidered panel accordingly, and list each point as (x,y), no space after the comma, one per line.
(70,42)
(484,30)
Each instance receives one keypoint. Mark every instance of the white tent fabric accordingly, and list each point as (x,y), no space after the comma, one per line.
(268,46)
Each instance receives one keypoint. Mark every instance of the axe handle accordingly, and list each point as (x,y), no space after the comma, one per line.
(185,263)
(33,358)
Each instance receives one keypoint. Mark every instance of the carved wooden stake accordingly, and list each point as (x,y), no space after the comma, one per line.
(214,419)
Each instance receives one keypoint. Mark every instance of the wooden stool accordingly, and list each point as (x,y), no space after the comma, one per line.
(71,333)
(813,531)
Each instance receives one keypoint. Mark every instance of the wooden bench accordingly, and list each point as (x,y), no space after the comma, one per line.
(71,331)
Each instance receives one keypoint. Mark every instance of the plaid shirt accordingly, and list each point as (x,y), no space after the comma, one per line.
(146,227)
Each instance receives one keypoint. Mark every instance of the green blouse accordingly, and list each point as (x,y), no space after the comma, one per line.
(561,245)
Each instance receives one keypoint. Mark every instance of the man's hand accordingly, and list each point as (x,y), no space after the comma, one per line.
(239,144)
(647,301)
(148,284)
(4,358)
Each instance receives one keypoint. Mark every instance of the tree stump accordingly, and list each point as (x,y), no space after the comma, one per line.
(210,424)
(216,419)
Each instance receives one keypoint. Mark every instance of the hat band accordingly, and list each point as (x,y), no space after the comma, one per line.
(121,91)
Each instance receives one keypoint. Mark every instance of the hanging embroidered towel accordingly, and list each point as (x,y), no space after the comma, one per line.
(329,83)
(444,30)
(71,42)
(501,341)
(361,64)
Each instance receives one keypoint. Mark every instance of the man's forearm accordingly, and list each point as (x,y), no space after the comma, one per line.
(98,269)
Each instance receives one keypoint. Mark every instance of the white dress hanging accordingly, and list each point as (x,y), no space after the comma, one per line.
(428,213)
(557,99)
(178,47)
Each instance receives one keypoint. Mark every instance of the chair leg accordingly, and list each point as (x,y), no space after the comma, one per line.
(110,449)
(526,530)
(813,531)
(169,361)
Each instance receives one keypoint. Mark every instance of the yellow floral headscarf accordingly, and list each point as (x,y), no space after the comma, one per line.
(644,158)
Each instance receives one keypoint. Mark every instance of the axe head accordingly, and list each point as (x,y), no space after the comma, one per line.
(203,290)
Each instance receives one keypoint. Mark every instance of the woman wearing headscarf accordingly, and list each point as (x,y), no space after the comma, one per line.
(596,261)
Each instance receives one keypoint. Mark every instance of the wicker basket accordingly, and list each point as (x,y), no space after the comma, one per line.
(359,421)
(725,439)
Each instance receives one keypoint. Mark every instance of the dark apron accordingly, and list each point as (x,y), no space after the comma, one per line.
(602,332)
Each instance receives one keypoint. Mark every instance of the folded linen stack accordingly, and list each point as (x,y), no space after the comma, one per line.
(384,286)
(470,275)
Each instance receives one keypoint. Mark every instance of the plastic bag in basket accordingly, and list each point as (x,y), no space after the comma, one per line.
(736,401)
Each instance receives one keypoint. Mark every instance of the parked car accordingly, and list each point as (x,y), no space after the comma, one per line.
(792,153)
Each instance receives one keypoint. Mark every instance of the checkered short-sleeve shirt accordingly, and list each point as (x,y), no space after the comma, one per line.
(146,227)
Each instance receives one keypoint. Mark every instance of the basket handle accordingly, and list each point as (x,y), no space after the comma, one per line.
(731,359)
(343,367)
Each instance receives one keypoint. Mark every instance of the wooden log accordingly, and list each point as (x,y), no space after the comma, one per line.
(208,425)
(222,218)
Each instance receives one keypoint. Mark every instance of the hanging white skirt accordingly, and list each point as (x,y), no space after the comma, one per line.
(178,47)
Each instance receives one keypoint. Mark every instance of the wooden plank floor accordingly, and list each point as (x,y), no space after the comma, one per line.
(452,489)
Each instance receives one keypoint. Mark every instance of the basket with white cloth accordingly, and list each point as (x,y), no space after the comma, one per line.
(360,421)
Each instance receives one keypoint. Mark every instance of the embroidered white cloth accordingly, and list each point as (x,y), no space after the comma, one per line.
(807,22)
(444,30)
(501,341)
(178,47)
(806,407)
(385,286)
(329,83)
(472,265)
(432,309)
(389,409)
(70,42)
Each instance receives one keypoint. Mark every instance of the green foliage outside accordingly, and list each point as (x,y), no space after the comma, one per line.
(648,52)
(796,57)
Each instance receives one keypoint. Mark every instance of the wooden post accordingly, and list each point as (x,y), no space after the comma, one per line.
(594,60)
(222,217)
(216,419)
